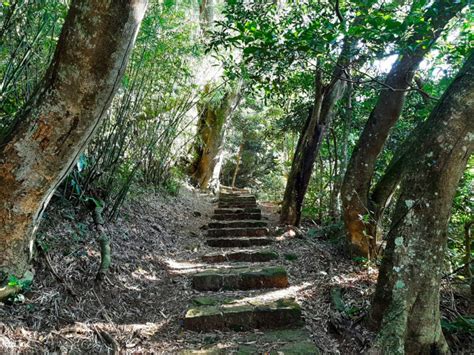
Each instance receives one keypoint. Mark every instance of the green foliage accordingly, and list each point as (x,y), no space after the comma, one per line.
(459,325)
(23,284)
(28,35)
(173,183)
(142,135)
(461,214)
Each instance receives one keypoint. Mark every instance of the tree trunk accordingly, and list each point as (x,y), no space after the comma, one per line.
(357,181)
(206,14)
(237,164)
(303,160)
(312,136)
(406,300)
(210,134)
(56,125)
(334,179)
(347,122)
(384,190)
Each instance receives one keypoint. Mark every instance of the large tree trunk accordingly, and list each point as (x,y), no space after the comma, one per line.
(56,125)
(313,133)
(209,137)
(407,295)
(385,188)
(357,181)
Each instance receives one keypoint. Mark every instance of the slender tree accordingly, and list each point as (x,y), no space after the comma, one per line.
(314,131)
(358,177)
(55,126)
(406,302)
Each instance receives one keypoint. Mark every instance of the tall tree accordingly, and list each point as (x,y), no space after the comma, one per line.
(213,114)
(358,177)
(406,302)
(209,137)
(55,126)
(309,143)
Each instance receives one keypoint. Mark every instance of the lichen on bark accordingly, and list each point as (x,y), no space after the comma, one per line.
(406,301)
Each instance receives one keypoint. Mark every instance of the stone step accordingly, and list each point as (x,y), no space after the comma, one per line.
(238,232)
(234,194)
(239,316)
(261,255)
(241,242)
(237,198)
(237,204)
(237,216)
(272,342)
(240,279)
(237,224)
(237,210)
(228,189)
(232,203)
(237,201)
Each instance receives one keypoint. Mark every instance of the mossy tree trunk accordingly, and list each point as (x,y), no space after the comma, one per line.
(56,125)
(209,137)
(406,302)
(358,177)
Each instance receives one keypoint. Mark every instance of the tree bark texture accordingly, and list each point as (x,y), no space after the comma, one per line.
(358,177)
(210,133)
(56,125)
(406,301)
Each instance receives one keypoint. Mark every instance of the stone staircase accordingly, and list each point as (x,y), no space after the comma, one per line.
(238,230)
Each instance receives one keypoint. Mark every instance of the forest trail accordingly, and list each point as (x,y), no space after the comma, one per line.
(164,246)
(238,224)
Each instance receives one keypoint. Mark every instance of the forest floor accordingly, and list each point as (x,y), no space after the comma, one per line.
(156,243)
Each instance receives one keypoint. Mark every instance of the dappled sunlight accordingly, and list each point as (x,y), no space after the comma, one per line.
(355,278)
(176,267)
(181,265)
(144,274)
(235,176)
(289,292)
(147,329)
(109,333)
